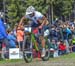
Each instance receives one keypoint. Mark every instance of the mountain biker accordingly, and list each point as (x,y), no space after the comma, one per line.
(38,20)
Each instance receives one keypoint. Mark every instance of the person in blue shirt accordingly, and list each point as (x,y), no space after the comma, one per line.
(3,34)
(11,39)
(53,33)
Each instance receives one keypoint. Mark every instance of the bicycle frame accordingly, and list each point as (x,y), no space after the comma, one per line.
(34,42)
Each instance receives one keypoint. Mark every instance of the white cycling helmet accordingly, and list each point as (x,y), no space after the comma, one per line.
(30,10)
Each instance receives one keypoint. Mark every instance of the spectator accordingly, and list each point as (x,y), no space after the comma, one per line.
(73,42)
(3,34)
(12,39)
(58,33)
(20,36)
(66,33)
(53,33)
(62,48)
(54,48)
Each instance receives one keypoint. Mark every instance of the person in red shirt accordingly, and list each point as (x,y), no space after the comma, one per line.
(62,48)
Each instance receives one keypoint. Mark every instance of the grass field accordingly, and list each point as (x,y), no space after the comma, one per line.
(65,60)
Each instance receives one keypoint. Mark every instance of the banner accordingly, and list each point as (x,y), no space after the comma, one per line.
(14,53)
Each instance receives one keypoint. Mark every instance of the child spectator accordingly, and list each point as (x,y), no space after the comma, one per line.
(11,39)
(62,48)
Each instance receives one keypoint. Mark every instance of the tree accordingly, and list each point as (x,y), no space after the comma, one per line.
(17,8)
(1,5)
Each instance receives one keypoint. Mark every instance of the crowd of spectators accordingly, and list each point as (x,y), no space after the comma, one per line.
(62,37)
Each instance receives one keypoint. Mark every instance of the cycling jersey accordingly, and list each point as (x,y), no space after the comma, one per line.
(35,18)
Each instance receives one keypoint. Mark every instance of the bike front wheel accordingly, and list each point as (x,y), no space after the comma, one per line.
(27,49)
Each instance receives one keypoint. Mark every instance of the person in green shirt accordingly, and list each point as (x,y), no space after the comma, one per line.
(73,44)
(54,48)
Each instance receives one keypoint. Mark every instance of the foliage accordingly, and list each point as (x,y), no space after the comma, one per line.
(16,8)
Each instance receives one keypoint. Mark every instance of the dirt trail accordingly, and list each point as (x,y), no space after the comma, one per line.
(60,62)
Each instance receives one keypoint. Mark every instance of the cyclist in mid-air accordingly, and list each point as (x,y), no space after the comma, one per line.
(38,21)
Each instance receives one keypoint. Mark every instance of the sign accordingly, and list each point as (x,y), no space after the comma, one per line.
(14,53)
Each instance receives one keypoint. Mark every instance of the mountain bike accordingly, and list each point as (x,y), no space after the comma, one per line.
(30,43)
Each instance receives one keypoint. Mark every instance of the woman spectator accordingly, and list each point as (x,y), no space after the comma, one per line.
(20,36)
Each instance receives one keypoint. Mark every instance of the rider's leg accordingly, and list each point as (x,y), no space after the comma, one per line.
(43,42)
(43,45)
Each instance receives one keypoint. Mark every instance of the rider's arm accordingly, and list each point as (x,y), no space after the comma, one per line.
(22,19)
(43,21)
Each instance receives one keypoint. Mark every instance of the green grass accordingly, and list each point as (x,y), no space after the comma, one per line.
(67,57)
(10,61)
